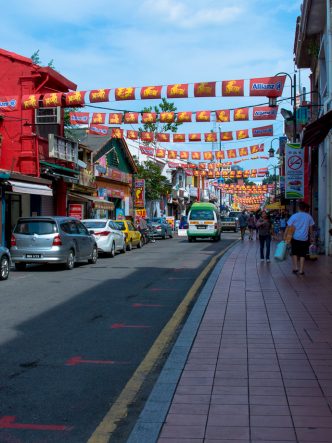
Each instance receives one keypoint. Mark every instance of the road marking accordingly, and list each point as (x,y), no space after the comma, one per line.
(123,326)
(77,360)
(144,305)
(119,410)
(8,422)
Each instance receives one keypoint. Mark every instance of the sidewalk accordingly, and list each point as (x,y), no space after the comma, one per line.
(253,362)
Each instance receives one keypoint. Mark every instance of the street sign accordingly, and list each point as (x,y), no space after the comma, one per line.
(294,171)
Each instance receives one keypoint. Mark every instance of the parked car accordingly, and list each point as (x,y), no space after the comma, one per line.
(160,227)
(108,235)
(4,263)
(132,235)
(229,224)
(52,240)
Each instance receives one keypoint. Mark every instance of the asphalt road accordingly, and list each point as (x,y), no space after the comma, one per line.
(71,340)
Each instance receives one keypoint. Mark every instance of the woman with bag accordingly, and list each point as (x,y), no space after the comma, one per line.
(265,229)
(251,225)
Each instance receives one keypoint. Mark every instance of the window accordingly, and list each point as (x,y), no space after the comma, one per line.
(201,214)
(82,229)
(121,225)
(69,228)
(95,224)
(31,227)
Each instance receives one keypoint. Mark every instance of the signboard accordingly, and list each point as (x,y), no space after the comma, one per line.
(119,214)
(76,210)
(294,171)
(140,213)
(139,193)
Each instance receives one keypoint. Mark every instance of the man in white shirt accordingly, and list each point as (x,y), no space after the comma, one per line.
(303,224)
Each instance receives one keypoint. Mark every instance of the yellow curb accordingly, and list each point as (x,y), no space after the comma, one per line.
(119,409)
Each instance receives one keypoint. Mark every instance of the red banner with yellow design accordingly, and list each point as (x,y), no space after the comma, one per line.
(241,114)
(160,153)
(75,98)
(241,134)
(210,137)
(131,117)
(178,90)
(52,99)
(203,116)
(166,117)
(30,101)
(163,137)
(205,89)
(149,117)
(99,118)
(147,136)
(132,135)
(99,95)
(233,88)
(223,116)
(115,118)
(151,92)
(179,138)
(184,117)
(194,137)
(124,94)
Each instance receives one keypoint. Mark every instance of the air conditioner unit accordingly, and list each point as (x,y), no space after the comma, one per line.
(47,116)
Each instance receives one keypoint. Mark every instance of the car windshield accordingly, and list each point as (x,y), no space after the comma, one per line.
(201,214)
(39,227)
(94,224)
(158,220)
(121,225)
(234,214)
(227,219)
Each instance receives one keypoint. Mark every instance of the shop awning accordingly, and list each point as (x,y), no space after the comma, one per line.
(30,188)
(98,203)
(316,132)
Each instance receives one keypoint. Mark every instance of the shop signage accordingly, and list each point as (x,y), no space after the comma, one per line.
(139,193)
(294,171)
(76,210)
(119,214)
(140,213)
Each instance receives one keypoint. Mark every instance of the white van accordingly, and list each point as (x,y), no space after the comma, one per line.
(204,222)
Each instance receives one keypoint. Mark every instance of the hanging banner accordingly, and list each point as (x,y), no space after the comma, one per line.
(139,193)
(147,136)
(115,118)
(75,98)
(116,133)
(9,103)
(208,155)
(225,136)
(203,116)
(132,135)
(79,118)
(195,155)
(223,115)
(264,113)
(267,86)
(241,114)
(184,155)
(294,171)
(149,117)
(231,153)
(179,90)
(179,138)
(210,137)
(171,154)
(147,150)
(166,117)
(263,131)
(99,95)
(98,130)
(195,137)
(243,152)
(30,101)
(52,99)
(98,118)
(160,153)
(131,118)
(232,88)
(124,94)
(163,137)
(150,92)
(205,89)
(220,155)
(241,134)
(184,117)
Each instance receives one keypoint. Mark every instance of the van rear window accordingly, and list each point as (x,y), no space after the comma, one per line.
(201,214)
(30,227)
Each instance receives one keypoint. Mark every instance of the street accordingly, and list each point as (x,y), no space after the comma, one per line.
(71,340)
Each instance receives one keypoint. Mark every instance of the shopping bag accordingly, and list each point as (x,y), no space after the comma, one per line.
(280,252)
(313,252)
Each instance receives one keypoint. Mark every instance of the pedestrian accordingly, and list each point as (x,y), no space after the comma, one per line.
(251,225)
(303,224)
(282,224)
(265,230)
(243,223)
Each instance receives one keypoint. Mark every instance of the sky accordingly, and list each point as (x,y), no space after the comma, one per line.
(109,44)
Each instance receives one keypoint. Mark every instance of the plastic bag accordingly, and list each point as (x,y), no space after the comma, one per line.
(313,252)
(280,252)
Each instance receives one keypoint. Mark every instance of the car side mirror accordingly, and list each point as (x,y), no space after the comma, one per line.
(91,231)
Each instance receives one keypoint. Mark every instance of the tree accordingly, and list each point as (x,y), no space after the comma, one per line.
(270,179)
(37,61)
(156,185)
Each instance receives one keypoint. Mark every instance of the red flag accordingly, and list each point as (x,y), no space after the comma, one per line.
(179,138)
(52,99)
(254,149)
(261,147)
(132,135)
(265,113)
(203,116)
(263,131)
(241,134)
(115,118)
(231,153)
(243,152)
(98,130)
(79,118)
(195,137)
(267,86)
(233,88)
(226,136)
(205,89)
(202,165)
(160,153)
(149,117)
(117,133)
(166,117)
(163,137)
(211,165)
(223,115)
(241,114)
(98,118)
(125,94)
(150,92)
(210,137)
(208,155)
(195,155)
(30,101)
(184,117)
(99,95)
(172,154)
(147,136)
(184,155)
(178,90)
(220,155)
(131,117)
(75,98)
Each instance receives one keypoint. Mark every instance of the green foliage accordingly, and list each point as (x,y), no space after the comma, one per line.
(156,185)
(158,127)
(270,179)
(35,58)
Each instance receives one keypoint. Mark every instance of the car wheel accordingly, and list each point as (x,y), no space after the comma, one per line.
(20,266)
(129,246)
(190,239)
(140,243)
(123,250)
(112,252)
(94,256)
(70,260)
(4,268)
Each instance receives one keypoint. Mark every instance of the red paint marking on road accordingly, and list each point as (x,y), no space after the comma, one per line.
(8,422)
(77,360)
(144,305)
(123,326)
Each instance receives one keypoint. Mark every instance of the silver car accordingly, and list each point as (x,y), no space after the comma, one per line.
(52,240)
(4,263)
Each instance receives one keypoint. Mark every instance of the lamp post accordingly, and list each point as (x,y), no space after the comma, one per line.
(293,97)
(220,190)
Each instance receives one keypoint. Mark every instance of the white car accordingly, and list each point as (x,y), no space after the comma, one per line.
(109,237)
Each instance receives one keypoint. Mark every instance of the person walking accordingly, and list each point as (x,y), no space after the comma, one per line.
(283,224)
(265,230)
(251,225)
(303,224)
(243,223)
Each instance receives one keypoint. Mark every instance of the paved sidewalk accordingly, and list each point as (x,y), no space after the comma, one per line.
(254,360)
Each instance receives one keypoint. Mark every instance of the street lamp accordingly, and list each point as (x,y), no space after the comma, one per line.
(288,115)
(271,151)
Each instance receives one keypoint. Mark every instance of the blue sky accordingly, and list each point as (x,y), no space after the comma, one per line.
(108,44)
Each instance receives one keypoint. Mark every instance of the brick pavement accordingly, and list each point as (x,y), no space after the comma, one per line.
(259,368)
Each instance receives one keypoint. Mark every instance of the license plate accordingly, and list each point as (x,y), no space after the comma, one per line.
(33,256)
(201,227)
